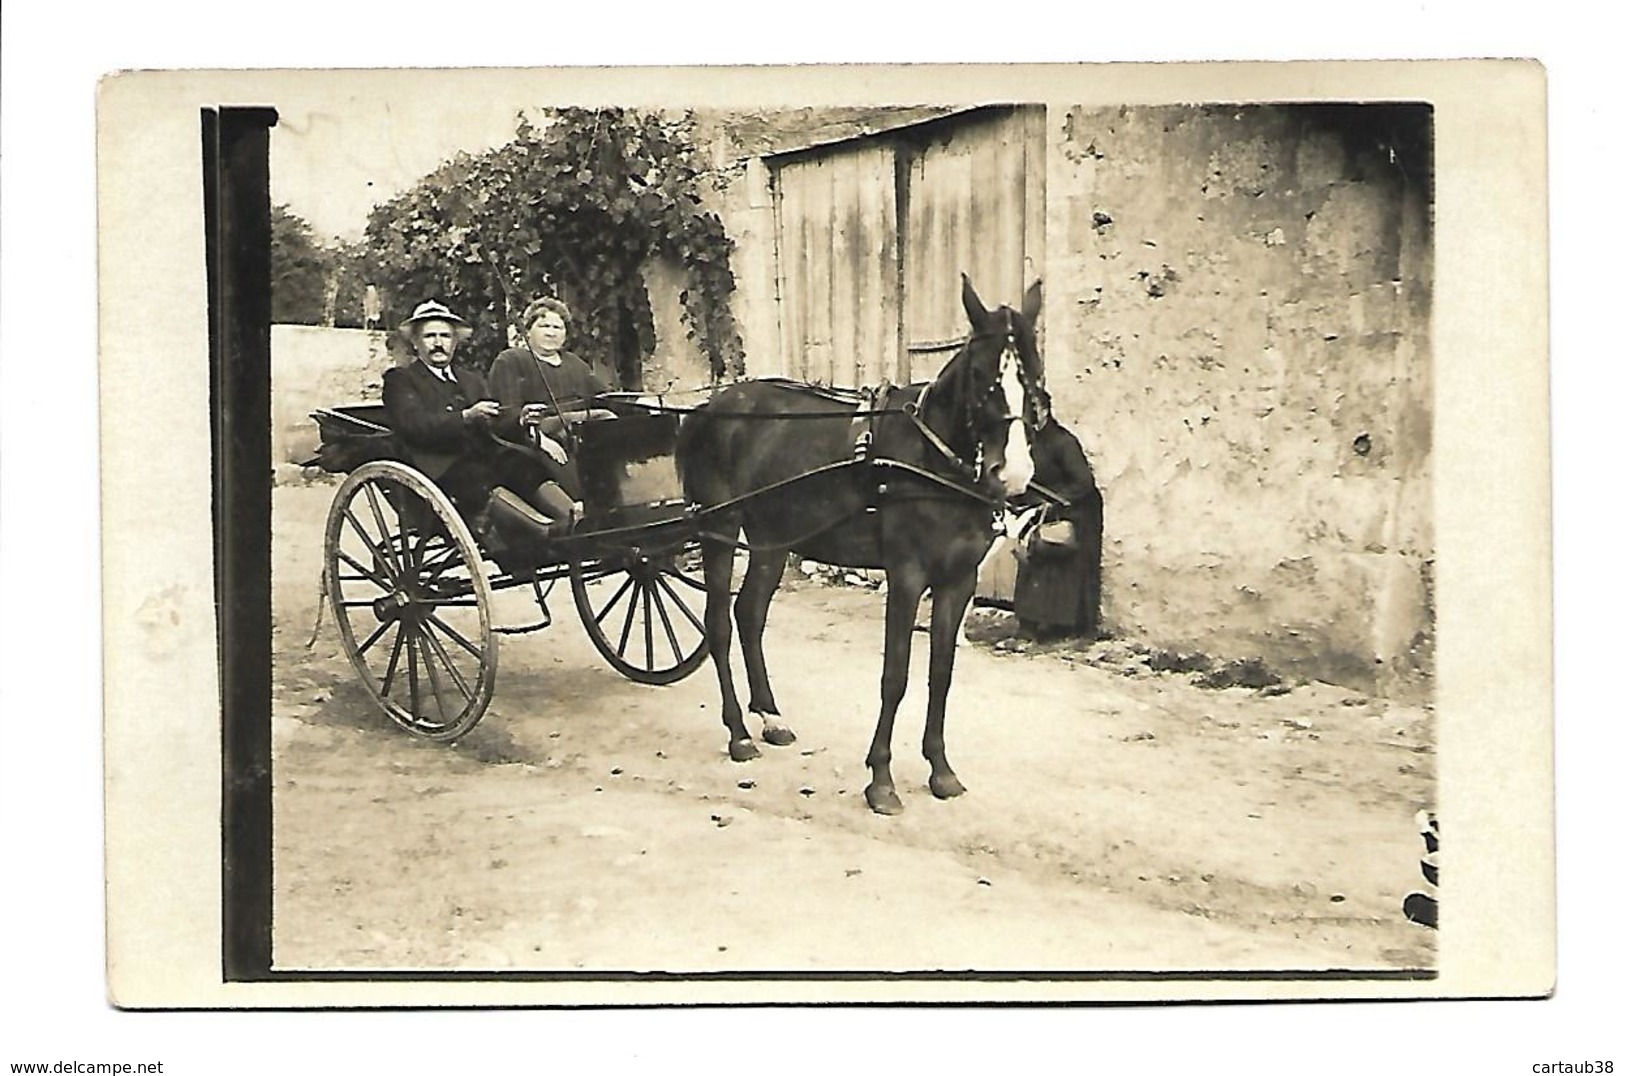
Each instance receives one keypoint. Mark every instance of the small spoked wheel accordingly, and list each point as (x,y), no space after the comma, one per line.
(644,613)
(408,589)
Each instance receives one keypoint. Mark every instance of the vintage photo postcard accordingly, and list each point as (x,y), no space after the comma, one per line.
(896,534)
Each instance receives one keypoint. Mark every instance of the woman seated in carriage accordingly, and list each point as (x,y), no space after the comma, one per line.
(551,390)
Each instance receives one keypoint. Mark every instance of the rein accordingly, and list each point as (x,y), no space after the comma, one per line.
(912,410)
(941,480)
(672,409)
(828,525)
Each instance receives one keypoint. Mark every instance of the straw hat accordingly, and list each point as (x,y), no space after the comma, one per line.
(433,311)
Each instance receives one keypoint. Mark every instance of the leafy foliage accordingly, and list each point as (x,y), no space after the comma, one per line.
(299,270)
(348,264)
(573,208)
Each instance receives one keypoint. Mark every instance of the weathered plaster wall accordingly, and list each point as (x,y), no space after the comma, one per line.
(677,365)
(747,207)
(312,367)
(1236,325)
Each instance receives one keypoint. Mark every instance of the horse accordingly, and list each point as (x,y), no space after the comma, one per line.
(913,485)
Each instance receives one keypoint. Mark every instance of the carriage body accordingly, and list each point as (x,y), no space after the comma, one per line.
(629,472)
(413,587)
(628,465)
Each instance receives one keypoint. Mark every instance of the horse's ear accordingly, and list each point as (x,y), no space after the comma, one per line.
(973,305)
(1033,302)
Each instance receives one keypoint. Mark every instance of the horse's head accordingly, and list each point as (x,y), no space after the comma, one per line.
(1003,388)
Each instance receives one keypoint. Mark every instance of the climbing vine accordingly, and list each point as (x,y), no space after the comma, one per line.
(575,206)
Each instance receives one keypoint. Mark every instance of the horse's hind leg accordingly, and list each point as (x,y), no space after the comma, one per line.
(718,557)
(947,612)
(762,577)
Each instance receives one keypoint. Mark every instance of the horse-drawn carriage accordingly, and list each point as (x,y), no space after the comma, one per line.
(413,589)
(911,480)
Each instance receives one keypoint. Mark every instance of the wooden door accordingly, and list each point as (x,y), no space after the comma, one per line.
(838,265)
(974,204)
(873,234)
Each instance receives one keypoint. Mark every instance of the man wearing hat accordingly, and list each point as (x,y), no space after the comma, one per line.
(446,416)
(442,412)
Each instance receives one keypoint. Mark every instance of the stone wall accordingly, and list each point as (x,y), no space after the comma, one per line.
(746,206)
(313,367)
(678,365)
(1236,325)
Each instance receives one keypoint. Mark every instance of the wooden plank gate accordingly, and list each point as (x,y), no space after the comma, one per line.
(872,234)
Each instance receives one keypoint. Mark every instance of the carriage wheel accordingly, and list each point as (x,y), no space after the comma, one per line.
(645,614)
(409,592)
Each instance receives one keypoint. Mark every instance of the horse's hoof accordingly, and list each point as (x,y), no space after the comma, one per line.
(743,750)
(883,800)
(946,787)
(778,735)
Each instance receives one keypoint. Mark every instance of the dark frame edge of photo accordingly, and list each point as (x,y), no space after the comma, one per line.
(237,249)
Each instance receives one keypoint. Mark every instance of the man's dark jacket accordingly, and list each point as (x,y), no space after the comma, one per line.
(426,413)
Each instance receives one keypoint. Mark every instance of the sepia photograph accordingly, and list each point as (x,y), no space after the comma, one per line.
(502,743)
(625,496)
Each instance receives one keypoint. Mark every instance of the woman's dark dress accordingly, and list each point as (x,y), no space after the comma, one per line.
(1059,586)
(518,377)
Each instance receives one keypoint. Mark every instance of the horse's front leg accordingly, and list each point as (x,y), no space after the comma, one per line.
(719,569)
(762,578)
(903,591)
(947,613)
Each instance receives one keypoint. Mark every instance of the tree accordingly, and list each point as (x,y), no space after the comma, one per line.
(349,273)
(299,270)
(575,209)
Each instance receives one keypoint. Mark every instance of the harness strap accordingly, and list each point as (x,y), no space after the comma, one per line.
(838,465)
(912,410)
(868,402)
(863,420)
(753,547)
(838,394)
(1049,495)
(941,480)
(530,451)
(672,409)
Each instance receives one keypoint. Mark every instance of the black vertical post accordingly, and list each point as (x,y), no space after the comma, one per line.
(237,223)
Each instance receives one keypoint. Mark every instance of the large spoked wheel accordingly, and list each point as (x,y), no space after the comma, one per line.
(644,613)
(409,592)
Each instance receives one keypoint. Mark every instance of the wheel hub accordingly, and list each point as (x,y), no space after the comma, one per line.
(392,607)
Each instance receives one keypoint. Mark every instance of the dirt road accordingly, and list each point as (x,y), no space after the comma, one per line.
(1117,818)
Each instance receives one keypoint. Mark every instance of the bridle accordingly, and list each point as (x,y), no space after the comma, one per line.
(968,402)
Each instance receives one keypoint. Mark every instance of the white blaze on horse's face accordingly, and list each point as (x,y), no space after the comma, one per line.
(1017,470)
